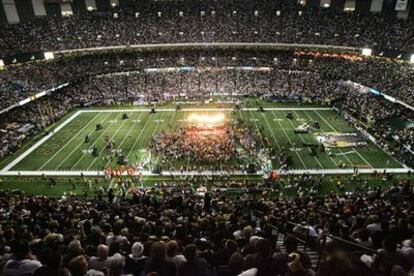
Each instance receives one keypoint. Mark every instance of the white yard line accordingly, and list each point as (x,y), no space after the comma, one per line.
(84,154)
(363,158)
(172,119)
(70,140)
(346,157)
(328,124)
(356,151)
(112,137)
(70,154)
(155,129)
(39,143)
(137,121)
(293,147)
(255,124)
(136,140)
(330,157)
(271,130)
(303,140)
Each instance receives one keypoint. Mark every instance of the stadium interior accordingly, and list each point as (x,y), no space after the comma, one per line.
(211,138)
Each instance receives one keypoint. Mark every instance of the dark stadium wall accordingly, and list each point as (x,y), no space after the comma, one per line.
(363,6)
(123,3)
(103,5)
(411,14)
(389,7)
(52,9)
(338,4)
(3,18)
(313,3)
(25,10)
(78,6)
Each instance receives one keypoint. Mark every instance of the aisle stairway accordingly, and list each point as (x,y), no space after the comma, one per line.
(313,255)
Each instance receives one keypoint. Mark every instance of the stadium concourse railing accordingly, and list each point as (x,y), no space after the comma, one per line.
(319,245)
(216,45)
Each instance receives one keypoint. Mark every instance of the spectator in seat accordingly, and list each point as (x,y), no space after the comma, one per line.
(390,256)
(78,266)
(52,264)
(135,262)
(158,262)
(194,265)
(100,261)
(116,265)
(172,254)
(24,263)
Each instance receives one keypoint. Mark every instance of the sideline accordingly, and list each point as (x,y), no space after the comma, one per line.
(39,143)
(206,173)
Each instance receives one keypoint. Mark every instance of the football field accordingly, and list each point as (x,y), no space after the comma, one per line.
(64,150)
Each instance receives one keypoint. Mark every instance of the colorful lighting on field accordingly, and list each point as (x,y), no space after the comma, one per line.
(206,119)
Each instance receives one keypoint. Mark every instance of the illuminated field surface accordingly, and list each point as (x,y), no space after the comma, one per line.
(67,151)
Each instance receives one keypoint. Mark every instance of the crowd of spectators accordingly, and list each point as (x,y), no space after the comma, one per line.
(197,149)
(23,81)
(211,21)
(184,231)
(301,78)
(212,148)
(171,232)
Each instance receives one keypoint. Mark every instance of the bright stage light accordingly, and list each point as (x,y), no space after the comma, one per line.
(49,55)
(206,120)
(366,52)
(412,58)
(1,64)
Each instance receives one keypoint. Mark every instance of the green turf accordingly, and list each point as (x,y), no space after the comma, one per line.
(38,185)
(67,151)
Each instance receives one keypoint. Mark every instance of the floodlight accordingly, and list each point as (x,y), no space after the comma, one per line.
(412,58)
(366,52)
(49,55)
(206,119)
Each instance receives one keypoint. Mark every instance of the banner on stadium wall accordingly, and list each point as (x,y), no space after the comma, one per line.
(401,5)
